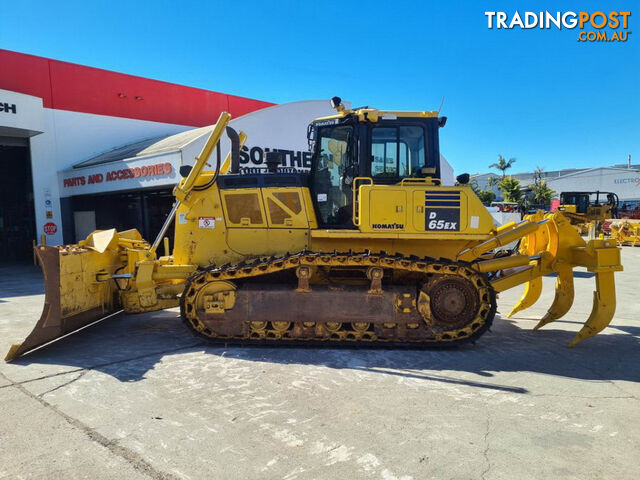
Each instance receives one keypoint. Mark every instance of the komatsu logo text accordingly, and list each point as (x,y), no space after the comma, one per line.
(388,226)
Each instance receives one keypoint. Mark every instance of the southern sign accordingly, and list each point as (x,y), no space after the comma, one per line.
(252,159)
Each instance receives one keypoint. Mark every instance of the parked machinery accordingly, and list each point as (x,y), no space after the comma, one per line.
(370,248)
(626,232)
(584,208)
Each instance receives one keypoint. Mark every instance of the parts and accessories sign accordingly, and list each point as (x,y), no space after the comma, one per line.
(146,171)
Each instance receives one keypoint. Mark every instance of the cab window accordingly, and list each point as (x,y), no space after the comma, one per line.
(397,151)
(330,183)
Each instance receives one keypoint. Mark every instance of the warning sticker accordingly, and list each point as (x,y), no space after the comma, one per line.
(206,222)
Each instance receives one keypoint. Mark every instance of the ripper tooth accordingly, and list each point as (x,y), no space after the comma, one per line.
(604,306)
(532,292)
(563,299)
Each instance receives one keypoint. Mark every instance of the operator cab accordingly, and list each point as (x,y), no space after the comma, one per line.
(583,200)
(384,146)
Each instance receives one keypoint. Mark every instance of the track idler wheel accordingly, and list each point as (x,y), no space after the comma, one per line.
(448,301)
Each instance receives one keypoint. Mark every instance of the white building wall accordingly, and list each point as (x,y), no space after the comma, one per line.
(446,172)
(626,183)
(282,127)
(79,136)
(22,116)
(69,138)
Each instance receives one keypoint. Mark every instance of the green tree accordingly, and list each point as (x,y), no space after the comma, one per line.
(473,183)
(503,165)
(537,175)
(542,194)
(486,196)
(493,181)
(510,188)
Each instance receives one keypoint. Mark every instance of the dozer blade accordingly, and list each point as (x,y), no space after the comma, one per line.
(530,296)
(78,290)
(563,299)
(604,306)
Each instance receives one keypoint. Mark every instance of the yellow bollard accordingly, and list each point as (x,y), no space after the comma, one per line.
(166,247)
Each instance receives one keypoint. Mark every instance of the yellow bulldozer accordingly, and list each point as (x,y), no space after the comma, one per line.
(586,209)
(369,247)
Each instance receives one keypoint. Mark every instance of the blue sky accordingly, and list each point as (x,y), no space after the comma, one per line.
(537,95)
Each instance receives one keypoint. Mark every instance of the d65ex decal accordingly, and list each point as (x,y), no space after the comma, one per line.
(442,219)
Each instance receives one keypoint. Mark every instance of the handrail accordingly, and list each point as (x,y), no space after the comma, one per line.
(421,181)
(354,192)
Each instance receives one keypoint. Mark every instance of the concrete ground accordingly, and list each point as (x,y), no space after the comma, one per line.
(140,397)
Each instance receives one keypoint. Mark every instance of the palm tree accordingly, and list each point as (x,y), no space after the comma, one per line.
(503,165)
(492,182)
(510,188)
(542,194)
(537,175)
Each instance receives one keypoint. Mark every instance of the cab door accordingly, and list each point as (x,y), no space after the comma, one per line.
(332,176)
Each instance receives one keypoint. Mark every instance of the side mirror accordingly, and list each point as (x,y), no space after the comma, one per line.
(185,170)
(442,121)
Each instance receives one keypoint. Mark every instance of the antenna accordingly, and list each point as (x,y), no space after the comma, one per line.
(441,103)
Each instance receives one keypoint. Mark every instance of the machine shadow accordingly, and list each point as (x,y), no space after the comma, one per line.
(20,281)
(129,346)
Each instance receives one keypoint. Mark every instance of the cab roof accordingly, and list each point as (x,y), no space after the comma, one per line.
(367,114)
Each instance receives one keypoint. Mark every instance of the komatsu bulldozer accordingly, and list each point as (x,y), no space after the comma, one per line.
(369,248)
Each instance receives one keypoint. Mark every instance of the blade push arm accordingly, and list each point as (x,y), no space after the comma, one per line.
(183,190)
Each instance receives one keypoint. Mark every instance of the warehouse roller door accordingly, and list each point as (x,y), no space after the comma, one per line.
(17,218)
